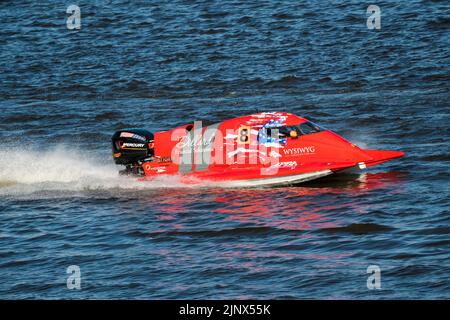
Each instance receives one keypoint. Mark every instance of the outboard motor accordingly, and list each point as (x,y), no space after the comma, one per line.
(131,148)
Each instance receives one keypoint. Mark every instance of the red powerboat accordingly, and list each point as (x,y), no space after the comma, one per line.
(269,148)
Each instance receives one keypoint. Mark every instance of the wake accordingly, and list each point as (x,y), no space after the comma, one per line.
(66,169)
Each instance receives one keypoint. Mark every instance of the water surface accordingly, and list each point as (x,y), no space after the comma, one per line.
(157,65)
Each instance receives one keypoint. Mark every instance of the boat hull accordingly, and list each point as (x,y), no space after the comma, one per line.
(265,149)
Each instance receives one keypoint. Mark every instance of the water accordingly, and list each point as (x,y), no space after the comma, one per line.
(158,65)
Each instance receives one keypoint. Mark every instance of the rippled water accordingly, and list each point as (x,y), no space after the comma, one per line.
(158,65)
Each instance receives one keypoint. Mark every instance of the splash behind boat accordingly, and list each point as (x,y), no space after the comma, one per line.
(269,148)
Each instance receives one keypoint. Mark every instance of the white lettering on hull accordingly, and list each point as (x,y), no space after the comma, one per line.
(299,151)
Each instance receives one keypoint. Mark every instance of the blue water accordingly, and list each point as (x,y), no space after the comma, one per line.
(157,64)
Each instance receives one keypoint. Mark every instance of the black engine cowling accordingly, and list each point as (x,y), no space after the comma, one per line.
(132,146)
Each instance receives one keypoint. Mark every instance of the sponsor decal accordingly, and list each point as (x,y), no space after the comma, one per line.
(187,142)
(127,145)
(299,151)
(132,135)
(126,135)
(164,159)
(159,169)
(286,164)
(137,137)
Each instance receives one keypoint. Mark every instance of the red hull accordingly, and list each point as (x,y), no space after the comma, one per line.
(264,148)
